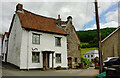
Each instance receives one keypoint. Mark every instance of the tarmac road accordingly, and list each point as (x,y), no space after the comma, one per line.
(8,70)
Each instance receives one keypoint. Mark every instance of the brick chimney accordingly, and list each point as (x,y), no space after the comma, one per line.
(59,20)
(69,19)
(19,7)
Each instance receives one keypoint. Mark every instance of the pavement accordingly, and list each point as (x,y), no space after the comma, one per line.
(10,70)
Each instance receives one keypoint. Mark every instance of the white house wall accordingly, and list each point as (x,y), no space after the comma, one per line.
(14,44)
(0,45)
(4,48)
(94,55)
(47,43)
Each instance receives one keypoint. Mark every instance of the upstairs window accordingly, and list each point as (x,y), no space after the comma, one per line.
(36,38)
(57,41)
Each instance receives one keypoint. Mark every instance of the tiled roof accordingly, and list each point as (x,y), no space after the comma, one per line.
(33,21)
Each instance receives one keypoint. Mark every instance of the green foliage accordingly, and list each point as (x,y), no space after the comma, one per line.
(89,38)
(85,61)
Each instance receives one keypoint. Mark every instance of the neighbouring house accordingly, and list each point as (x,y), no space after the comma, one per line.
(73,44)
(0,44)
(36,41)
(111,44)
(91,55)
(4,47)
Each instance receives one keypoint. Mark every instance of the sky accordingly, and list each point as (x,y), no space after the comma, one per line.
(82,12)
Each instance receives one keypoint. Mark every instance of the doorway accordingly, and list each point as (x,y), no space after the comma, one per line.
(69,62)
(46,60)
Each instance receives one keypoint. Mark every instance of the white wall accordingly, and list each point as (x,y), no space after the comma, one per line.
(4,47)
(14,44)
(47,43)
(94,55)
(0,45)
(20,47)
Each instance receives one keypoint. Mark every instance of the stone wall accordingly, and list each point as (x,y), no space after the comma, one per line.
(73,43)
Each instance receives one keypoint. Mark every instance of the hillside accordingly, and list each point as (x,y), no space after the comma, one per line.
(89,38)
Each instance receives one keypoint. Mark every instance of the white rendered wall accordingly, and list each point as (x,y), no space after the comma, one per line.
(47,43)
(14,44)
(4,47)
(94,55)
(0,45)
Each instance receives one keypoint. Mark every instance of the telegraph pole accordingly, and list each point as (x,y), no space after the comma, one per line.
(99,36)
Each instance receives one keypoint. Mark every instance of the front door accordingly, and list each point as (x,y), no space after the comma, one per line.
(46,60)
(69,62)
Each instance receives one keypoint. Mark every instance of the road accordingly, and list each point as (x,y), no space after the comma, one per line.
(12,71)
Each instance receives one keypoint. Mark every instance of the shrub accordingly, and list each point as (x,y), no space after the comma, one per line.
(58,67)
(85,61)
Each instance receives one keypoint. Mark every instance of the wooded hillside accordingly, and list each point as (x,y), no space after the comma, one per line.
(89,38)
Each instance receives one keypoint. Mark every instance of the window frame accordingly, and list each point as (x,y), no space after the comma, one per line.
(60,58)
(60,41)
(38,57)
(32,38)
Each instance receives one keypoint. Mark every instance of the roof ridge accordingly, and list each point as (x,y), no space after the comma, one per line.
(39,15)
(111,34)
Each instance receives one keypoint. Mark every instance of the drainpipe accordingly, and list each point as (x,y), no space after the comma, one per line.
(28,52)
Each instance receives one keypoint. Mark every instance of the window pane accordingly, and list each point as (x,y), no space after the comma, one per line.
(58,41)
(35,57)
(58,58)
(75,59)
(36,38)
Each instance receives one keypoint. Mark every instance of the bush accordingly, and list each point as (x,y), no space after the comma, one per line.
(58,67)
(85,61)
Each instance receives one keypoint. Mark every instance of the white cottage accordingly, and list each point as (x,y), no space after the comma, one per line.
(90,55)
(36,41)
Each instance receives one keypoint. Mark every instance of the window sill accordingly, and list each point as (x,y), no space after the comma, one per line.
(58,63)
(57,46)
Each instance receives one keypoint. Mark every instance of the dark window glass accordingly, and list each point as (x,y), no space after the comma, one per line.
(67,46)
(35,57)
(57,41)
(75,60)
(78,46)
(91,55)
(58,58)
(36,38)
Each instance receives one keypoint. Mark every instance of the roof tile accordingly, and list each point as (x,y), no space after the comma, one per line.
(37,22)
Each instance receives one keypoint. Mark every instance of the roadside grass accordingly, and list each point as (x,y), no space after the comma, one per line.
(84,50)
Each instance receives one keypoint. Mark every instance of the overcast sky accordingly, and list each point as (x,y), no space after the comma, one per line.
(82,12)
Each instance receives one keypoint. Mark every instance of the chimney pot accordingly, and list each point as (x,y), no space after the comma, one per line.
(69,19)
(59,16)
(19,7)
